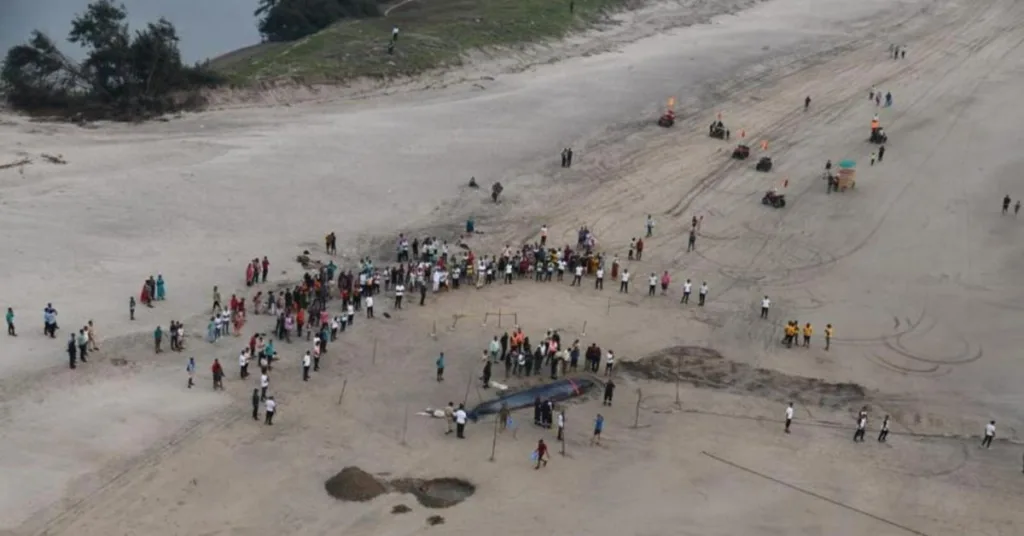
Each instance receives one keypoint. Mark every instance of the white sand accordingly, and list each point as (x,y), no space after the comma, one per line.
(916,268)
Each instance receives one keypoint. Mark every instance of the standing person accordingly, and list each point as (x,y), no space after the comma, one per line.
(158,337)
(577,275)
(881,154)
(862,425)
(190,368)
(72,351)
(264,384)
(369,306)
(50,321)
(1006,203)
(541,454)
(271,407)
(599,278)
(691,243)
(564,152)
(440,367)
(449,417)
(423,294)
(161,289)
(216,300)
(306,363)
(218,375)
(687,288)
(808,331)
(266,268)
(609,391)
(243,364)
(609,363)
(828,336)
(10,322)
(765,304)
(650,225)
(255,404)
(652,284)
(460,421)
(93,338)
(598,426)
(83,344)
(568,157)
(399,292)
(487,374)
(789,416)
(131,307)
(990,434)
(1016,207)
(807,102)
(317,350)
(883,434)
(561,425)
(702,294)
(624,281)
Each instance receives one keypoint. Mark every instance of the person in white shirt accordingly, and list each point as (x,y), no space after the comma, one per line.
(335,325)
(508,272)
(687,288)
(862,425)
(609,363)
(316,354)
(394,34)
(561,265)
(652,283)
(271,407)
(369,307)
(399,293)
(460,422)
(561,425)
(703,293)
(264,384)
(883,434)
(765,304)
(990,434)
(218,326)
(543,235)
(789,416)
(351,314)
(577,276)
(599,281)
(243,363)
(307,361)
(624,282)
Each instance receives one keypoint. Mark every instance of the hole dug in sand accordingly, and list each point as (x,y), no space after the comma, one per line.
(354,484)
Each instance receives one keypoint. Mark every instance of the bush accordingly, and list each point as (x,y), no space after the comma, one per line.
(123,75)
(288,20)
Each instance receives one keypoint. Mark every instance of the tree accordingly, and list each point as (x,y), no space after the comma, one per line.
(288,20)
(122,75)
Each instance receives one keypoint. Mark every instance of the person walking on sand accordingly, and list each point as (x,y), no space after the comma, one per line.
(271,407)
(990,434)
(218,375)
(93,338)
(765,305)
(807,102)
(158,337)
(190,368)
(883,434)
(255,404)
(598,427)
(541,454)
(789,416)
(264,384)
(609,392)
(216,300)
(650,225)
(440,367)
(449,417)
(691,244)
(828,336)
(1006,203)
(702,295)
(881,153)
(10,322)
(609,363)
(131,307)
(862,425)
(72,351)
(460,422)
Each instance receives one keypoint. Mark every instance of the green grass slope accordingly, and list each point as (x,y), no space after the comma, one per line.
(433,33)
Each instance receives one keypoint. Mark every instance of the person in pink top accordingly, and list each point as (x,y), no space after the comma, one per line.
(665,281)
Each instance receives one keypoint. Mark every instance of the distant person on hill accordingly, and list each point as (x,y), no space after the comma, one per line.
(394,34)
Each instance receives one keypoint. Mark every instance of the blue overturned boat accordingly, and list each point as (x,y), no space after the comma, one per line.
(558,391)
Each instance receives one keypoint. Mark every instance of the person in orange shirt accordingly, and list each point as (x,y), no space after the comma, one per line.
(300,320)
(808,331)
(828,336)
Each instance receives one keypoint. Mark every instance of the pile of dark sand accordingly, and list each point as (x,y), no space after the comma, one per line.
(354,484)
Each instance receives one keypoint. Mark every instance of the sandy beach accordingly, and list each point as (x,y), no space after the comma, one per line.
(915,268)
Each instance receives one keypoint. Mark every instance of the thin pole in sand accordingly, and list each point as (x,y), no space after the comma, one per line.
(344,384)
(609,310)
(405,424)
(636,419)
(679,359)
(499,318)
(469,384)
(433,331)
(563,431)
(584,334)
(494,440)
(373,360)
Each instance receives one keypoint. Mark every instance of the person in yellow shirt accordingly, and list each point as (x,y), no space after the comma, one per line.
(808,330)
(828,336)
(790,334)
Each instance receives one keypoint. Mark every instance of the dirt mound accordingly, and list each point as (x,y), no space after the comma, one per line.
(400,509)
(437,492)
(354,484)
(705,367)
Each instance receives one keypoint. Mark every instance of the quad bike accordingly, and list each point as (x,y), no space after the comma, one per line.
(741,152)
(717,130)
(764,164)
(667,119)
(774,199)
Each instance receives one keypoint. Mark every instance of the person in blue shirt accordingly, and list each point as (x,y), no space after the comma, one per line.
(440,367)
(10,322)
(161,290)
(598,426)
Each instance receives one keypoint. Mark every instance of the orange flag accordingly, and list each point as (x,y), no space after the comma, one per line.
(743,133)
(764,145)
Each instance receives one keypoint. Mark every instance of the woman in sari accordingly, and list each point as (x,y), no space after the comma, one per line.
(161,292)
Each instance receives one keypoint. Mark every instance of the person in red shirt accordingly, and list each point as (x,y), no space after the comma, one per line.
(218,375)
(542,453)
